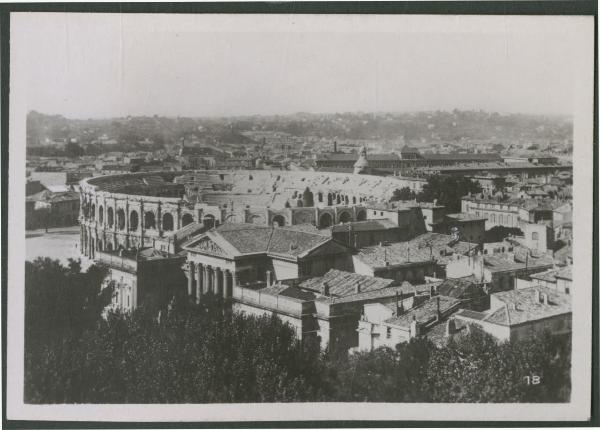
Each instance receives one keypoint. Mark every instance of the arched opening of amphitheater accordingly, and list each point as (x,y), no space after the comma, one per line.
(167,222)
(208,221)
(149,220)
(345,217)
(133,220)
(326,220)
(278,220)
(186,219)
(110,216)
(361,216)
(121,219)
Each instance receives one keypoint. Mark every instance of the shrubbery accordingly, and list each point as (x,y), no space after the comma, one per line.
(200,354)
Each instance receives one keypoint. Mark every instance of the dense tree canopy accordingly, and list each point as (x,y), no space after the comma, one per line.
(404,193)
(448,190)
(200,354)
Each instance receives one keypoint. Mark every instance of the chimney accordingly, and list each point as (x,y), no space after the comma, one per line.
(432,290)
(545,298)
(414,327)
(357,287)
(538,297)
(434,202)
(334,146)
(450,327)
(437,305)
(268,278)
(325,289)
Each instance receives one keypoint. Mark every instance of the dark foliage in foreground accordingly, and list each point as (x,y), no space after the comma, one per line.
(199,354)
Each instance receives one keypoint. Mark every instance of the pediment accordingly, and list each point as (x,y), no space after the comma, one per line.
(327,248)
(207,246)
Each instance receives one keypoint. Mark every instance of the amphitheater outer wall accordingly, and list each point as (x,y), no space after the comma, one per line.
(111,219)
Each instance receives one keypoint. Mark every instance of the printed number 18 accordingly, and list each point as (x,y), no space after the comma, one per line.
(533,380)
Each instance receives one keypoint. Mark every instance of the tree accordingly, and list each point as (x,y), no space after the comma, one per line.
(404,193)
(73,149)
(499,233)
(448,191)
(499,184)
(188,354)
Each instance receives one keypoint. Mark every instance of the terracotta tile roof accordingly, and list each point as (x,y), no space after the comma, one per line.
(507,262)
(289,292)
(425,312)
(460,288)
(548,275)
(342,284)
(565,273)
(405,288)
(370,225)
(426,247)
(253,238)
(527,307)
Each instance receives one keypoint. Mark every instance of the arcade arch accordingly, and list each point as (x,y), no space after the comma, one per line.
(326,220)
(110,217)
(167,222)
(134,220)
(208,221)
(345,217)
(149,220)
(120,219)
(279,220)
(186,219)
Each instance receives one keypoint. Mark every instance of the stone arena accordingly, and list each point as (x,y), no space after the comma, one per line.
(140,209)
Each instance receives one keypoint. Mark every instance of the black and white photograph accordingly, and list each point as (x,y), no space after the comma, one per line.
(247,217)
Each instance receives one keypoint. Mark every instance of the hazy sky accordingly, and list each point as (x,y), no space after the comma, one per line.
(83,65)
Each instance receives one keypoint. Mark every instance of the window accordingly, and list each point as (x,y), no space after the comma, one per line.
(388,333)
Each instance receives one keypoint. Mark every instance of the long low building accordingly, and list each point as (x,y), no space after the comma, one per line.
(325,308)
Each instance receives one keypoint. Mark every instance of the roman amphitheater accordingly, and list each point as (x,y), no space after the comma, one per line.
(139,209)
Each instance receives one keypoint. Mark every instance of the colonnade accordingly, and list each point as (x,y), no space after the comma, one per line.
(204,279)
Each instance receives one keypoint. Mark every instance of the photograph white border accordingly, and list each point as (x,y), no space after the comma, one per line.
(579,406)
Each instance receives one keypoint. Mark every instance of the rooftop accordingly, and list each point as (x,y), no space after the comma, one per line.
(370,225)
(522,306)
(426,247)
(465,217)
(425,312)
(242,238)
(342,284)
(503,262)
(460,288)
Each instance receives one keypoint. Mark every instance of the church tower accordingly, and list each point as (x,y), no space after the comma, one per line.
(362,165)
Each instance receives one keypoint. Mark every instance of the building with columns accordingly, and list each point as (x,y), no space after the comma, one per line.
(247,254)
(144,276)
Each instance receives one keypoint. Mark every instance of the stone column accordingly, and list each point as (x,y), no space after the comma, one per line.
(215,281)
(190,287)
(199,274)
(207,281)
(234,280)
(227,287)
(222,284)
